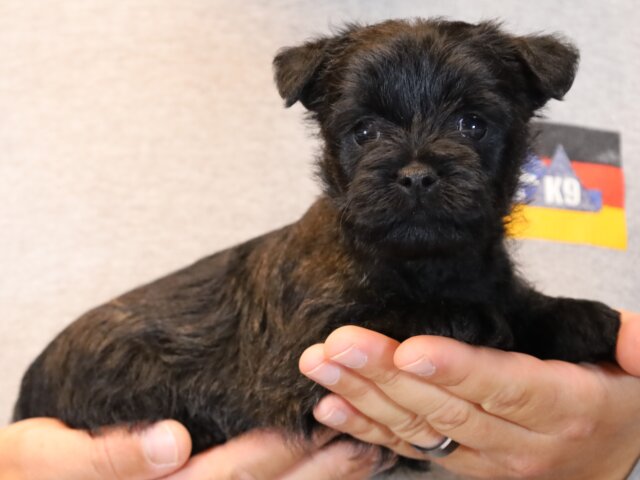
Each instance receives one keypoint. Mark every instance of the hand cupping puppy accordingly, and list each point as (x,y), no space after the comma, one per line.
(46,449)
(513,415)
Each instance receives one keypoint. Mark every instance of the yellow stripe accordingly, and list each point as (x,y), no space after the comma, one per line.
(606,228)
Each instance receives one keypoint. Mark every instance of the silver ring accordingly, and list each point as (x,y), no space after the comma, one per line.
(444,448)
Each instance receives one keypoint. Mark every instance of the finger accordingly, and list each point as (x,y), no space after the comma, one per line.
(539,395)
(258,455)
(339,460)
(628,348)
(367,397)
(117,453)
(446,413)
(338,414)
(335,412)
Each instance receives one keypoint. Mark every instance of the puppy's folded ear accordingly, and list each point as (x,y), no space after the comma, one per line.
(550,65)
(296,72)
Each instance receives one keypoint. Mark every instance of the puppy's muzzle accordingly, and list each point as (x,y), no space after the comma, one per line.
(416,178)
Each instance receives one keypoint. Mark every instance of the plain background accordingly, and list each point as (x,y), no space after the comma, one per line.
(137,136)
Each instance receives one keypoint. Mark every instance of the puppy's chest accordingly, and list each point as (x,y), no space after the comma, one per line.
(447,299)
(471,322)
(398,316)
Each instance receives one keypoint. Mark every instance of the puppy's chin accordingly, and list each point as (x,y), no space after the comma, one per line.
(411,240)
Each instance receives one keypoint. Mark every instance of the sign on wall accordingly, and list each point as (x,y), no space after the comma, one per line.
(572,188)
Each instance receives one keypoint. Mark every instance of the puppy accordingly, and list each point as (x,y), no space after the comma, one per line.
(425,130)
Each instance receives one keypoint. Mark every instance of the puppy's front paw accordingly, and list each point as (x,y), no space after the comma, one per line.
(598,332)
(569,329)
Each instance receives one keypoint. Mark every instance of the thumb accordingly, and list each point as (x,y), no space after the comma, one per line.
(45,449)
(628,348)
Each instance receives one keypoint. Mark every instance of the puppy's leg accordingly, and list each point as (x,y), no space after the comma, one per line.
(563,328)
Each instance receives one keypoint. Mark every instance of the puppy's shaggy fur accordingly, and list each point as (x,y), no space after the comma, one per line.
(425,129)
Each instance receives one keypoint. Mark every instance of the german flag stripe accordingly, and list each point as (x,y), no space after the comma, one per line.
(606,178)
(606,228)
(596,146)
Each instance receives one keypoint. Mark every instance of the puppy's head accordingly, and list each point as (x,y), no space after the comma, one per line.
(425,125)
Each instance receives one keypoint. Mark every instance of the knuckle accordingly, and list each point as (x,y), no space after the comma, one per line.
(526,466)
(395,444)
(369,433)
(594,389)
(364,432)
(455,379)
(357,392)
(579,428)
(100,459)
(409,427)
(584,417)
(386,378)
(452,414)
(510,399)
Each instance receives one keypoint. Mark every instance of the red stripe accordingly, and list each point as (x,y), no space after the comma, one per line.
(606,178)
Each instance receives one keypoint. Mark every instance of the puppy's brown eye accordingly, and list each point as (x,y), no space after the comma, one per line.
(472,126)
(365,132)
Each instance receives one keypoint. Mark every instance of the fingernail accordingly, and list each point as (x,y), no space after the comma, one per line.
(159,445)
(325,374)
(351,357)
(333,418)
(422,367)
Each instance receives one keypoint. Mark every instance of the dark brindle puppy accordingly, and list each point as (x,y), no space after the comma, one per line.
(425,129)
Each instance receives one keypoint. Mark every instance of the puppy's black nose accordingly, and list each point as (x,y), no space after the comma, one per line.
(416,177)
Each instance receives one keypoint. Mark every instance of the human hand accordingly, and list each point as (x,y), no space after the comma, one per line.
(45,449)
(262,455)
(514,416)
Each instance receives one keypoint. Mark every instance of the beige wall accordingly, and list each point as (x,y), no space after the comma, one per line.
(139,135)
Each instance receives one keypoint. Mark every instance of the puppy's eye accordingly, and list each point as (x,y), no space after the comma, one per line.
(365,132)
(472,126)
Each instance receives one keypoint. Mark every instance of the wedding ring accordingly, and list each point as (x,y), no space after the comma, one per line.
(444,448)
